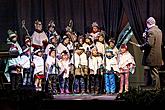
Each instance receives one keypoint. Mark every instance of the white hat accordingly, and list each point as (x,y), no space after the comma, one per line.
(37,50)
(151,21)
(94,24)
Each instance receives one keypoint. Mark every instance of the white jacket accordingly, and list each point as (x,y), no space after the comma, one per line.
(79,60)
(94,63)
(39,65)
(64,65)
(125,59)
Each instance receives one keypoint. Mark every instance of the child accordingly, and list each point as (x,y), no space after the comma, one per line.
(126,66)
(39,68)
(111,45)
(100,44)
(111,68)
(95,63)
(52,71)
(64,66)
(25,63)
(81,71)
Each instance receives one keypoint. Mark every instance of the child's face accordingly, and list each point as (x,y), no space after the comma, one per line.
(123,50)
(79,51)
(65,57)
(51,29)
(53,54)
(111,44)
(87,40)
(81,41)
(66,41)
(54,40)
(101,38)
(95,29)
(94,51)
(40,54)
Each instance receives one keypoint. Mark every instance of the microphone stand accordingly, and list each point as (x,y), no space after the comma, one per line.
(88,55)
(73,55)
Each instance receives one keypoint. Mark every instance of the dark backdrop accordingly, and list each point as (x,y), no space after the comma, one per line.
(111,15)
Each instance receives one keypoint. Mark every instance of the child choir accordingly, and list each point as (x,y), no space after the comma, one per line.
(88,60)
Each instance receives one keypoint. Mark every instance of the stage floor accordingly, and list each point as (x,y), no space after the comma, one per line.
(84,97)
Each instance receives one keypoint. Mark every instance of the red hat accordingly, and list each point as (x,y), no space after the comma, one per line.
(123,46)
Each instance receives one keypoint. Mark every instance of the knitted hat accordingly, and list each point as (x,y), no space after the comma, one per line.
(112,40)
(151,21)
(11,33)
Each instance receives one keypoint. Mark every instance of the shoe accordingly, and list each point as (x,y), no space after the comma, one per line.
(107,93)
(67,91)
(61,91)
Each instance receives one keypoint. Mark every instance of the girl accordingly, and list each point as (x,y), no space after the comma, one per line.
(64,67)
(126,66)
(39,68)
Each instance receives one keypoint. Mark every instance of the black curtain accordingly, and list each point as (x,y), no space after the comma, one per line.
(109,14)
(115,17)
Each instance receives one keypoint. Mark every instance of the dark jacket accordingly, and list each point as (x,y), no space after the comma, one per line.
(152,48)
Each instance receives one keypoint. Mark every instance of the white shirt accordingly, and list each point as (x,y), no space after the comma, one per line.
(37,38)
